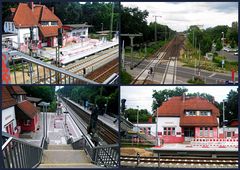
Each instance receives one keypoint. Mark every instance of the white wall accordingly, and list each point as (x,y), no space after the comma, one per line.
(81,30)
(7,116)
(25,32)
(169,122)
(148,125)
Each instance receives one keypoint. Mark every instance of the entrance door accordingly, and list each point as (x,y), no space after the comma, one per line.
(189,133)
(9,128)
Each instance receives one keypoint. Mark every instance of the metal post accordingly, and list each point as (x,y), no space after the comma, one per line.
(223,119)
(131,38)
(123,55)
(158,160)
(155,37)
(199,60)
(111,24)
(137,123)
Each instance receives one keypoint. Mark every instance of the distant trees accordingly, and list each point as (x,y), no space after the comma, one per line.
(93,94)
(143,115)
(212,35)
(134,20)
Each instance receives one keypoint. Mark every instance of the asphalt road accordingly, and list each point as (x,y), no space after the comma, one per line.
(185,73)
(229,55)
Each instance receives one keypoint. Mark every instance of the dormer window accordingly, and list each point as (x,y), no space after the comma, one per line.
(197,113)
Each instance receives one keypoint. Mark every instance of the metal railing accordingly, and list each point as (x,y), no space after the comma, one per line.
(106,156)
(29,70)
(19,154)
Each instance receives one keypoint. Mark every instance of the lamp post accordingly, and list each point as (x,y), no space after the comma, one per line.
(156,27)
(102,27)
(223,119)
(223,39)
(137,124)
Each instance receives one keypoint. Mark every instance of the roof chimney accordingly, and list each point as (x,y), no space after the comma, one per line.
(52,9)
(31,5)
(184,97)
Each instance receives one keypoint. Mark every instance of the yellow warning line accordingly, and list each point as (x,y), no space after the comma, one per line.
(68,164)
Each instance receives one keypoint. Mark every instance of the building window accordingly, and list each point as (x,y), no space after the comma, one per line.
(27,122)
(190,113)
(44,23)
(205,113)
(53,23)
(210,132)
(169,131)
(149,131)
(164,131)
(12,27)
(201,132)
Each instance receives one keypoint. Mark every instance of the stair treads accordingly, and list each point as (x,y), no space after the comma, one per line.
(76,165)
(64,156)
(60,147)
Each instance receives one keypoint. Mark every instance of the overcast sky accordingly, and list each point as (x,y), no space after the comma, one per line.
(180,15)
(142,95)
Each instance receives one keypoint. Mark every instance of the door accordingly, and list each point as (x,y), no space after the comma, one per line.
(189,133)
(9,128)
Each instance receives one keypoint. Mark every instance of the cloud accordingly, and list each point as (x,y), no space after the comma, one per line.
(180,15)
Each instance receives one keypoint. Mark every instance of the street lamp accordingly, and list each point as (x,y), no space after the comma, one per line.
(223,39)
(137,124)
(223,118)
(156,27)
(102,27)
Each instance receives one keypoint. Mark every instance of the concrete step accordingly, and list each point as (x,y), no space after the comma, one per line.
(60,147)
(65,157)
(77,165)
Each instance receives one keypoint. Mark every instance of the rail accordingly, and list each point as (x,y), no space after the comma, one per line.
(32,71)
(19,154)
(105,155)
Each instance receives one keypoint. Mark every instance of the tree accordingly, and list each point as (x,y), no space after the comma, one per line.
(143,115)
(163,95)
(231,106)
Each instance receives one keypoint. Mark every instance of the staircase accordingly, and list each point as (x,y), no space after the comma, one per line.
(63,156)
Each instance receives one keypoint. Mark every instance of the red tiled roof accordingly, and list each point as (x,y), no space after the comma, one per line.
(198,121)
(48,15)
(198,103)
(176,106)
(16,90)
(49,31)
(28,108)
(24,16)
(171,107)
(7,100)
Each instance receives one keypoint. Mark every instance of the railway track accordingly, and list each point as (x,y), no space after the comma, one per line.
(164,54)
(90,63)
(102,73)
(167,161)
(107,133)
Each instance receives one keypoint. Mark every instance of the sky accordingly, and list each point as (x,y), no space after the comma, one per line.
(180,15)
(142,95)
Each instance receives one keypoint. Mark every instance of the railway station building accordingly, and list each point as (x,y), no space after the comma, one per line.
(38,18)
(23,114)
(183,119)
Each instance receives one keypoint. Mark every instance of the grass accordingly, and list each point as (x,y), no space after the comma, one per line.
(196,80)
(126,78)
(214,65)
(140,54)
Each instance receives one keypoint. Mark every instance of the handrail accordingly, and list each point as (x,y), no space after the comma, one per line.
(50,67)
(20,154)
(4,134)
